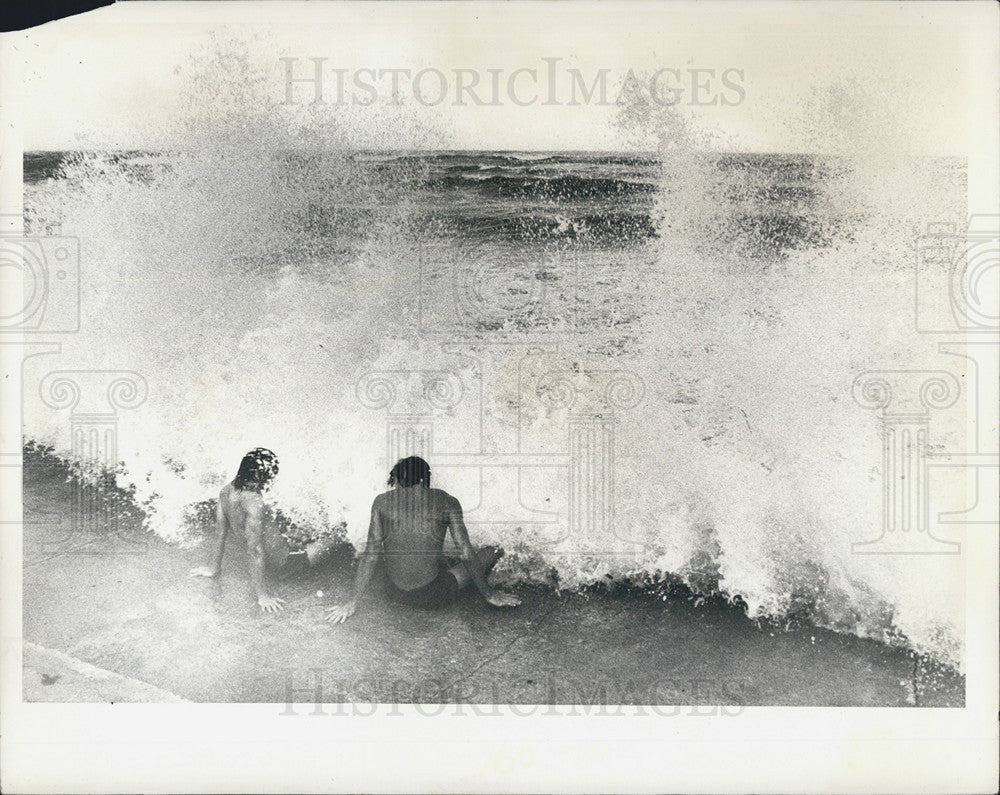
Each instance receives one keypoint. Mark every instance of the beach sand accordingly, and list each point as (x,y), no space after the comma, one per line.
(114,616)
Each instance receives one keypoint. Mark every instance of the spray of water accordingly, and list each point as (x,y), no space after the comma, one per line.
(256,276)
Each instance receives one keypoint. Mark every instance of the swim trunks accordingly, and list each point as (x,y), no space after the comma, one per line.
(439,592)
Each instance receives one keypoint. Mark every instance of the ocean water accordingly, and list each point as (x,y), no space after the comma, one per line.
(626,366)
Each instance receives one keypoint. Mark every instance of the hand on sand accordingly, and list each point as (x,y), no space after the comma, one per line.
(503,599)
(204,571)
(270,604)
(340,613)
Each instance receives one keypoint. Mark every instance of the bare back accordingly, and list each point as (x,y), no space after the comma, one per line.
(244,513)
(414,522)
(238,505)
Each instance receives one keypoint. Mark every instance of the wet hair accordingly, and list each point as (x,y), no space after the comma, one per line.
(257,469)
(410,471)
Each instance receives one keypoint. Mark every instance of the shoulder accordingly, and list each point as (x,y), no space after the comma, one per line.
(230,496)
(445,499)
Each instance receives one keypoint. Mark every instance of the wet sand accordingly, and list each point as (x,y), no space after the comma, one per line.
(115,617)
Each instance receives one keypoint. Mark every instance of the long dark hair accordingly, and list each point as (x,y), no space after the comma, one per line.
(257,469)
(410,471)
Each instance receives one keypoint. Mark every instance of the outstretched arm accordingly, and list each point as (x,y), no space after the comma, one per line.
(366,566)
(456,523)
(222,527)
(255,549)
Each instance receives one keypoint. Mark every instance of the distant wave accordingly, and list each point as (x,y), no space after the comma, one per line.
(762,207)
(524,186)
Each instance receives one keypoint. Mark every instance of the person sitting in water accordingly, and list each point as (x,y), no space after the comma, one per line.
(408,525)
(241,508)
